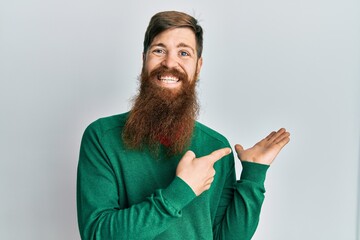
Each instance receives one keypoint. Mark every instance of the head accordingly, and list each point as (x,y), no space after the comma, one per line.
(166,106)
(173,44)
(163,21)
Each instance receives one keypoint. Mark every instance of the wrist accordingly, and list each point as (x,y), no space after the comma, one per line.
(255,172)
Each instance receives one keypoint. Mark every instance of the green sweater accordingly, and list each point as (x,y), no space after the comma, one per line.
(128,194)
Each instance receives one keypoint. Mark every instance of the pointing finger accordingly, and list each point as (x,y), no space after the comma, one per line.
(218,154)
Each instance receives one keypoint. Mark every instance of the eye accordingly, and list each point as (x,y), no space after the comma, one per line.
(158,51)
(184,53)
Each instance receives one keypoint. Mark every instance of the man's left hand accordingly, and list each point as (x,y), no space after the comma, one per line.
(265,151)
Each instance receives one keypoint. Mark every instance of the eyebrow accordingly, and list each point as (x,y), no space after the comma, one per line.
(185,46)
(178,46)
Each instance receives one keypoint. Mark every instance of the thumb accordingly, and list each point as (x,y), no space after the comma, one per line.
(188,156)
(185,161)
(239,149)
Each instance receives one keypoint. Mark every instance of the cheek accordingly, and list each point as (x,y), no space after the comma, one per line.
(191,71)
(149,63)
(147,66)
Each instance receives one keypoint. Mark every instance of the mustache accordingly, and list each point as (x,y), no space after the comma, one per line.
(162,71)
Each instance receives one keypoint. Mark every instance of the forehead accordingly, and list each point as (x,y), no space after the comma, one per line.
(175,36)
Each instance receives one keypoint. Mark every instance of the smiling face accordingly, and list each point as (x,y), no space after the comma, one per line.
(172,59)
(166,107)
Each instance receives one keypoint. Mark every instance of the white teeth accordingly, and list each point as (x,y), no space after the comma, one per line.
(169,79)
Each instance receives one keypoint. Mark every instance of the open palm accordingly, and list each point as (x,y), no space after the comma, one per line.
(265,151)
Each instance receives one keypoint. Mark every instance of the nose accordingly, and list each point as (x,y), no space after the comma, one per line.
(170,61)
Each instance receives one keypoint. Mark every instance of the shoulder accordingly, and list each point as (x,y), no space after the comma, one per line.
(102,126)
(208,133)
(207,140)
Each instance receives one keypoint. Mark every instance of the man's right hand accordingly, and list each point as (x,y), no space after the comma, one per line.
(199,173)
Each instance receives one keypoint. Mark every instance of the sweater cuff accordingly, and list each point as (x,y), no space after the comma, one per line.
(178,194)
(254,172)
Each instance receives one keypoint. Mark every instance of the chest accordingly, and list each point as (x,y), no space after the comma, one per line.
(140,174)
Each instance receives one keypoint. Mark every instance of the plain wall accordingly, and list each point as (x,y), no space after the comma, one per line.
(267,64)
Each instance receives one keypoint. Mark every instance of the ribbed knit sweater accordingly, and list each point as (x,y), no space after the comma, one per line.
(131,194)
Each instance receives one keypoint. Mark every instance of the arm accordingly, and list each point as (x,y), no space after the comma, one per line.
(99,213)
(240,205)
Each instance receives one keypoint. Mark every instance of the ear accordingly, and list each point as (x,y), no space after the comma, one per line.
(199,65)
(143,57)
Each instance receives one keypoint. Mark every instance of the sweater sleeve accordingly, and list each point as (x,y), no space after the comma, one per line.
(99,214)
(240,205)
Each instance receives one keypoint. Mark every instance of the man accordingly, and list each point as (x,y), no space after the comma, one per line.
(156,173)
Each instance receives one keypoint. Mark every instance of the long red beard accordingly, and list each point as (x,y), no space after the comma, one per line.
(162,116)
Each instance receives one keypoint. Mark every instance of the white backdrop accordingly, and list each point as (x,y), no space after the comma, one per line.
(267,64)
